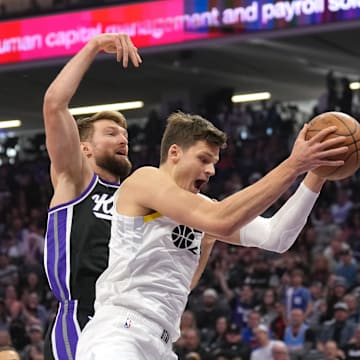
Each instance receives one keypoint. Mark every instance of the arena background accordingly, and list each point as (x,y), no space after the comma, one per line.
(295,65)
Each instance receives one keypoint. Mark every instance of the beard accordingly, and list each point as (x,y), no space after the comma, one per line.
(120,167)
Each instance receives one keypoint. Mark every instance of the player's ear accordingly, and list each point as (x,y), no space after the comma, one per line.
(174,153)
(86,148)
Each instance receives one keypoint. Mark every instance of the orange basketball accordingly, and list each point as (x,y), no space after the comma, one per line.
(346,126)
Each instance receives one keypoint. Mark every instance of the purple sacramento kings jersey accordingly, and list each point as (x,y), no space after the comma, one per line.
(76,253)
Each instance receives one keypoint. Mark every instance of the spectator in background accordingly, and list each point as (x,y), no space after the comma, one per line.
(279,351)
(320,269)
(318,312)
(188,320)
(332,351)
(297,295)
(336,292)
(341,207)
(347,267)
(297,334)
(353,305)
(265,344)
(340,330)
(209,310)
(34,312)
(352,349)
(192,343)
(34,249)
(278,325)
(36,338)
(232,345)
(324,228)
(248,331)
(8,272)
(267,306)
(12,302)
(18,334)
(351,233)
(240,303)
(217,337)
(333,250)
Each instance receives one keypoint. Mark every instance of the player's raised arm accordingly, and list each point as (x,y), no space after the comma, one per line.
(62,138)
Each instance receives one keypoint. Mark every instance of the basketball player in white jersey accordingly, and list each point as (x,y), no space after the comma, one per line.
(158,224)
(88,159)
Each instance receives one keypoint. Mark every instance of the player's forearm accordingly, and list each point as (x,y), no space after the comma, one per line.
(63,88)
(314,182)
(240,208)
(279,232)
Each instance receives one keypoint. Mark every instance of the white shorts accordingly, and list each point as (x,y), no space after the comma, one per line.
(117,333)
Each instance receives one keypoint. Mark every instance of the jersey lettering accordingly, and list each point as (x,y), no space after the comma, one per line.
(103,205)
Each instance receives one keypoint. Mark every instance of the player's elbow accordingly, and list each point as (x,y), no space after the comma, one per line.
(52,102)
(283,242)
(282,250)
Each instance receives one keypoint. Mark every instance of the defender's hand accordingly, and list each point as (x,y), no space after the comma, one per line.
(121,45)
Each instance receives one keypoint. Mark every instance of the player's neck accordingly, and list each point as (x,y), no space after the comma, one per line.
(107,175)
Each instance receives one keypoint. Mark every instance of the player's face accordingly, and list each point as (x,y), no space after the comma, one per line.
(196,165)
(110,147)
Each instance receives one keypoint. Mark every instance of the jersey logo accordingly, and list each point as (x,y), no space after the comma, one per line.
(103,205)
(184,237)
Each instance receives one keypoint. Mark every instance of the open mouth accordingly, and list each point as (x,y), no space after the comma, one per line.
(199,183)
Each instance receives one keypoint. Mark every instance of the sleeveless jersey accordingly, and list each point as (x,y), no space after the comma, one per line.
(295,342)
(76,253)
(151,264)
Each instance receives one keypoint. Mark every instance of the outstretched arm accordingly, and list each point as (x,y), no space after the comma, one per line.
(150,188)
(62,139)
(279,232)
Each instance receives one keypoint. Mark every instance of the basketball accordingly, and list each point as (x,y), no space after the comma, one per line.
(346,126)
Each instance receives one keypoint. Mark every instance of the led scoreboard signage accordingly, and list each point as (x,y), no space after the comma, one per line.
(164,22)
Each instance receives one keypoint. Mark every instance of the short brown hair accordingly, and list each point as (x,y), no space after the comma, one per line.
(86,125)
(186,129)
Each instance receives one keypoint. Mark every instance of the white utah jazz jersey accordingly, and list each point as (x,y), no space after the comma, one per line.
(151,264)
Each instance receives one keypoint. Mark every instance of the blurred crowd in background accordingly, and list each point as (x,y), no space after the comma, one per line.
(249,304)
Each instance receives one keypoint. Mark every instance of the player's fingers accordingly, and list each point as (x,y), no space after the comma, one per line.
(118,48)
(138,57)
(333,142)
(328,154)
(133,53)
(303,131)
(323,134)
(332,163)
(125,50)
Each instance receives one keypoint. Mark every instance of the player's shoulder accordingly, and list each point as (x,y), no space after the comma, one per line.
(145,173)
(142,175)
(146,170)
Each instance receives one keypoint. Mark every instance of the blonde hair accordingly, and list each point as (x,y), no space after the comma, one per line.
(86,125)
